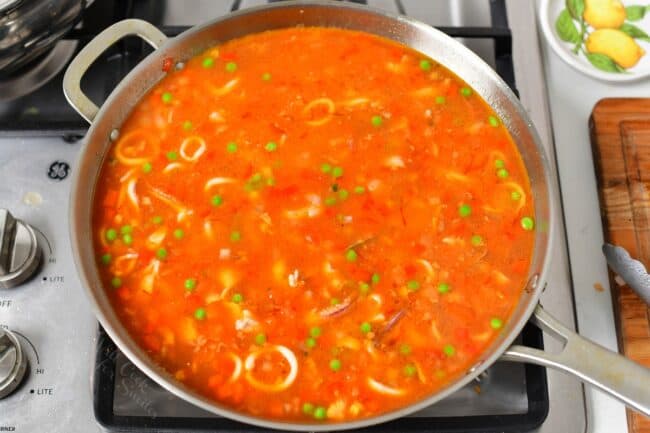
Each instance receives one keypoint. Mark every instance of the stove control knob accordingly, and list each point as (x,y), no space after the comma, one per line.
(13,363)
(20,254)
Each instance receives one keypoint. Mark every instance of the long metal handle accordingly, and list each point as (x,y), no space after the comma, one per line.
(90,53)
(611,372)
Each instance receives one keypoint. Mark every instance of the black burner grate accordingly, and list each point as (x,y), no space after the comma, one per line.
(45,112)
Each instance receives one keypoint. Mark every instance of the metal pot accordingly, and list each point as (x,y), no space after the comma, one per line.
(594,364)
(28,29)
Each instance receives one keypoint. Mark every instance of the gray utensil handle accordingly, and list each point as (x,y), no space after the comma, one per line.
(609,371)
(80,64)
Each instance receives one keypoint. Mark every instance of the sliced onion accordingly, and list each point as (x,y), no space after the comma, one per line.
(132,195)
(138,137)
(329,105)
(218,181)
(172,166)
(150,273)
(156,237)
(355,101)
(226,88)
(124,264)
(335,310)
(384,389)
(237,369)
(197,152)
(249,364)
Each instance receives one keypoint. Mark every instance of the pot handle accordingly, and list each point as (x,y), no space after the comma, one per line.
(609,371)
(80,64)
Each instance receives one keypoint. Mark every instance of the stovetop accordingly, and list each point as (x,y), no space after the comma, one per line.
(77,380)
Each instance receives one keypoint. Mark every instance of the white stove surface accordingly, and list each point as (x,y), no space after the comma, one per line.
(58,330)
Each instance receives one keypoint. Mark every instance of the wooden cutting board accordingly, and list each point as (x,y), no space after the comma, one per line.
(620,140)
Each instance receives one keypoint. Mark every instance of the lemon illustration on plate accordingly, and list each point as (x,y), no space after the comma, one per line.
(605,32)
(604,14)
(615,44)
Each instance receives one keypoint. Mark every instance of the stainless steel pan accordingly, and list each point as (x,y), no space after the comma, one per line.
(594,364)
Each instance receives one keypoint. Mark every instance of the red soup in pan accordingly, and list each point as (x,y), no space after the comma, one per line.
(313,224)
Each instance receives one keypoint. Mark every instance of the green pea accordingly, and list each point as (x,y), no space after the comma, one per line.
(172,156)
(466,91)
(464,210)
(310,343)
(376,121)
(443,287)
(216,200)
(200,314)
(126,229)
(527,223)
(320,413)
(190,284)
(179,233)
(116,282)
(496,323)
(364,288)
(449,350)
(335,301)
(161,253)
(106,259)
(187,125)
(351,255)
(499,163)
(208,62)
(335,364)
(365,327)
(315,332)
(410,370)
(494,121)
(111,235)
(231,147)
(330,200)
(515,196)
(237,298)
(231,67)
(235,236)
(359,190)
(413,285)
(271,146)
(375,278)
(476,240)
(157,219)
(147,167)
(308,408)
(127,239)
(167,97)
(344,194)
(260,339)
(266,76)
(337,172)
(425,65)
(502,173)
(440,100)
(405,349)
(325,168)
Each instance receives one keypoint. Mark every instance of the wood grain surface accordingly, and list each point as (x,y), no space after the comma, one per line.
(620,140)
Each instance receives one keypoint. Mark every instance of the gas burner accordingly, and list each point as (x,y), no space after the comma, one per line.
(34,75)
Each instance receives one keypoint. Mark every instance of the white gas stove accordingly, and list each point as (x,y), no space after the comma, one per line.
(76,380)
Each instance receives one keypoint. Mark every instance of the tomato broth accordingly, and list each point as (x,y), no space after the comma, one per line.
(313,224)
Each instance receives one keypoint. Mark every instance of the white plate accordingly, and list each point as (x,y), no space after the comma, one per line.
(548,13)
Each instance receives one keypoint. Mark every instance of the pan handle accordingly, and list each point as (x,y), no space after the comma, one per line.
(618,376)
(78,67)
